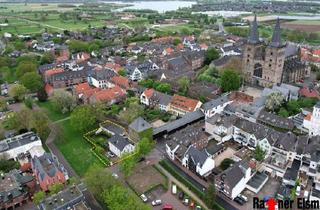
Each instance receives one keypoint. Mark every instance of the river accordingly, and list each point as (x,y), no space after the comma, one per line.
(160,6)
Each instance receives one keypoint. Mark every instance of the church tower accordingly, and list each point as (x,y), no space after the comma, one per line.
(251,52)
(274,58)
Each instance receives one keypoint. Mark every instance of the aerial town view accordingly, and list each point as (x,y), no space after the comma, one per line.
(159,104)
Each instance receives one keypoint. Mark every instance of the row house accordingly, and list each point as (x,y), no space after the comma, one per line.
(153,98)
(101,78)
(215,106)
(180,105)
(140,71)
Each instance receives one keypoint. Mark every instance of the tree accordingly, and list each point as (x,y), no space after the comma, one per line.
(63,100)
(226,163)
(28,102)
(39,121)
(122,72)
(274,101)
(283,112)
(120,198)
(42,94)
(3,105)
(17,92)
(183,83)
(133,111)
(46,58)
(211,54)
(8,165)
(293,107)
(38,197)
(83,118)
(55,188)
(230,80)
(176,42)
(24,67)
(128,163)
(32,81)
(164,88)
(144,146)
(103,183)
(259,153)
(210,196)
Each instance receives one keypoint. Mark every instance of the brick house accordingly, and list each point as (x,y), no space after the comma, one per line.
(181,105)
(48,171)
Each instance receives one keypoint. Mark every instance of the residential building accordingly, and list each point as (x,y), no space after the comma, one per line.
(12,147)
(15,189)
(220,127)
(232,181)
(48,171)
(199,162)
(181,105)
(139,129)
(153,98)
(215,106)
(120,145)
(69,198)
(101,78)
(291,175)
(137,72)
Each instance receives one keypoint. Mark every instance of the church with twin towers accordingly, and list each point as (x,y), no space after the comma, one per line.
(266,63)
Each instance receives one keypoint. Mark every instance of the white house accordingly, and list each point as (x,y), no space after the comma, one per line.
(120,145)
(232,181)
(101,79)
(312,121)
(215,106)
(198,161)
(220,127)
(20,144)
(153,98)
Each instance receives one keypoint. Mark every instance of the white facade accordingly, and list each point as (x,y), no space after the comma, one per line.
(265,146)
(144,99)
(219,132)
(103,84)
(171,152)
(313,124)
(136,75)
(127,149)
(203,170)
(217,109)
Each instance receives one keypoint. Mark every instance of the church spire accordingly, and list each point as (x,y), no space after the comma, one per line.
(276,36)
(254,33)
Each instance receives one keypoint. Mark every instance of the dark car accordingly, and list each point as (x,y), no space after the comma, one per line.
(239,201)
(181,195)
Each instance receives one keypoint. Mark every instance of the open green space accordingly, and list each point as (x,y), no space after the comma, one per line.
(75,149)
(52,111)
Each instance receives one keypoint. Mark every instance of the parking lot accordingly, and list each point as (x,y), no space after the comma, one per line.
(272,185)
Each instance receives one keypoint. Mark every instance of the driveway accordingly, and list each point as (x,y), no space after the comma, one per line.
(228,153)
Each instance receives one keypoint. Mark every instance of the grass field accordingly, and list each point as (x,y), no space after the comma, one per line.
(302,25)
(52,111)
(75,149)
(30,7)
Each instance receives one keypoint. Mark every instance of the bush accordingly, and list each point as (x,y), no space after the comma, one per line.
(226,163)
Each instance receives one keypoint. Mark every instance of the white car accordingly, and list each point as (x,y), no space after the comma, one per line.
(115,175)
(298,191)
(156,202)
(144,198)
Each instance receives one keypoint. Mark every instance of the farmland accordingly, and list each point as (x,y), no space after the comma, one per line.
(308,26)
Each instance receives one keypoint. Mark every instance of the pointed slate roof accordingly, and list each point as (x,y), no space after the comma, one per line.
(139,125)
(254,33)
(276,36)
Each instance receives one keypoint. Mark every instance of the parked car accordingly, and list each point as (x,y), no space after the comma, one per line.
(186,201)
(156,202)
(110,154)
(181,195)
(298,191)
(115,175)
(239,201)
(167,207)
(306,194)
(198,207)
(174,189)
(243,197)
(144,198)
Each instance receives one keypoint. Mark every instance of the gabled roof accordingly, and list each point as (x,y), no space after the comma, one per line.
(197,156)
(119,142)
(184,103)
(139,124)
(215,102)
(234,174)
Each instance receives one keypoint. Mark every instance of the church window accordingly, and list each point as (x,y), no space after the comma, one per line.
(269,65)
(271,53)
(248,55)
(247,60)
(257,72)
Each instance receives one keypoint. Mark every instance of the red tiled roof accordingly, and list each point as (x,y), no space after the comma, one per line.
(203,46)
(184,103)
(310,93)
(148,92)
(82,87)
(110,94)
(169,50)
(308,117)
(113,66)
(53,71)
(180,46)
(64,55)
(121,81)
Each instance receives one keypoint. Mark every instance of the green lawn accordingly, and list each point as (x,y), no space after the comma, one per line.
(75,149)
(52,111)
